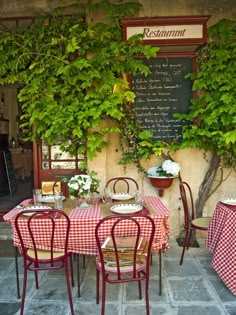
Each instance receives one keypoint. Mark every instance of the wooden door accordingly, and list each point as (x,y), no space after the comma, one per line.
(51,165)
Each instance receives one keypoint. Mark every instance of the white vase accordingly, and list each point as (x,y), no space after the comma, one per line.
(83,205)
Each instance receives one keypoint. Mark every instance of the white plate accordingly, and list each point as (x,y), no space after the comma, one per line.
(126,208)
(49,198)
(229,201)
(122,196)
(35,209)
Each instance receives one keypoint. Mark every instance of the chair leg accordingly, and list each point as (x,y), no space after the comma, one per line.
(185,244)
(147,296)
(17,273)
(78,276)
(189,239)
(97,286)
(84,261)
(36,279)
(72,272)
(103,295)
(69,288)
(139,287)
(23,290)
(160,273)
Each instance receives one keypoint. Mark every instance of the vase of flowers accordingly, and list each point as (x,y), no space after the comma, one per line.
(81,187)
(162,176)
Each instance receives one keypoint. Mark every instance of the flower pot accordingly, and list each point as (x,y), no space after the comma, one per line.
(161,183)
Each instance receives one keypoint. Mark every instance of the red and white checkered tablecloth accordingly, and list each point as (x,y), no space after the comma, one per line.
(83,223)
(221,241)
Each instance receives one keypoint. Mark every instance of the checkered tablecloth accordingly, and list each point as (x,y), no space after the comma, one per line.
(221,241)
(83,223)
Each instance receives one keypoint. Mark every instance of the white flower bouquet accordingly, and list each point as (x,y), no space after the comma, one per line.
(82,186)
(167,169)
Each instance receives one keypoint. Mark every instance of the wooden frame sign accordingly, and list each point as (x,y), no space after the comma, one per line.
(168,31)
(165,90)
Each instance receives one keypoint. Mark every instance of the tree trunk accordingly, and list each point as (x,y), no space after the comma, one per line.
(206,184)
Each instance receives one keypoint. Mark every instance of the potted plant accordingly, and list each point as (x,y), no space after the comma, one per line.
(162,176)
(81,187)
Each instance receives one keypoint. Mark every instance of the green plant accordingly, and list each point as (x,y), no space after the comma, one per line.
(212,116)
(82,185)
(67,69)
(136,144)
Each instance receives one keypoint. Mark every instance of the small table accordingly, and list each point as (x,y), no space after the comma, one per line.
(221,241)
(23,164)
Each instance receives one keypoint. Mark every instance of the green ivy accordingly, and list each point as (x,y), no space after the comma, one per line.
(67,69)
(212,116)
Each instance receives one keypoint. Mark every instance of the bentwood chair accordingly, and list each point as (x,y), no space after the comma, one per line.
(38,230)
(124,183)
(191,223)
(124,245)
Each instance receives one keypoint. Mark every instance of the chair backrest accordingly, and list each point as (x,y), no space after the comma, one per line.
(187,200)
(124,243)
(122,184)
(43,230)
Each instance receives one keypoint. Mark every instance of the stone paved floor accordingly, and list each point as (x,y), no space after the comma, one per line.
(191,289)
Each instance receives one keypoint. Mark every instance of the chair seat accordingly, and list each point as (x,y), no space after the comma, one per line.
(201,223)
(44,255)
(126,265)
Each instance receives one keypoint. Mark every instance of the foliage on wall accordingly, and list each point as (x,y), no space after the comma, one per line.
(213,110)
(212,116)
(67,68)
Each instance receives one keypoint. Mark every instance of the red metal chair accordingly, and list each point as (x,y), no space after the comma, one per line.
(37,231)
(124,245)
(190,221)
(122,184)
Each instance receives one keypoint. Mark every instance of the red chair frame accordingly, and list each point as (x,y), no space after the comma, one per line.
(135,272)
(32,255)
(115,180)
(190,221)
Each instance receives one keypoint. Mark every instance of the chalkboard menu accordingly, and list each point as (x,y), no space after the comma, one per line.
(162,93)
(10,172)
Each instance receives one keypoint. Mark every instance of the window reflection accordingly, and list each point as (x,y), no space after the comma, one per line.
(54,158)
(63,165)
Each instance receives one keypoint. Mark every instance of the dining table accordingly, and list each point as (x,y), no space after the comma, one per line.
(22,163)
(221,241)
(83,222)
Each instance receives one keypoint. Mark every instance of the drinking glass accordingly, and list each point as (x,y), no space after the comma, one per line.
(37,195)
(108,195)
(139,197)
(58,203)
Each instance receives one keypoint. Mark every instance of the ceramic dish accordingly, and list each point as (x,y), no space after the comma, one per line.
(122,196)
(34,209)
(49,198)
(126,208)
(229,201)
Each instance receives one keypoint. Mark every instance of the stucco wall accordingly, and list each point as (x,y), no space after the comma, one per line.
(216,8)
(193,162)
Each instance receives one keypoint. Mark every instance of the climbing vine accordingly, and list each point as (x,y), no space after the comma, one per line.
(67,68)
